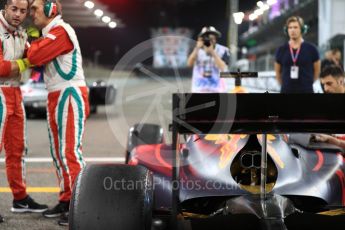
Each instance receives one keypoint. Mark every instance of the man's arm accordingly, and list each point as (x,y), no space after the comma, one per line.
(15,71)
(317,69)
(221,65)
(7,68)
(330,139)
(193,56)
(44,50)
(278,70)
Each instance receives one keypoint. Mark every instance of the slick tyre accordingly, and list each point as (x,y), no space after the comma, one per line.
(112,196)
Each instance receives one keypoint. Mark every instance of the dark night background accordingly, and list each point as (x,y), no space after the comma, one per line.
(141,15)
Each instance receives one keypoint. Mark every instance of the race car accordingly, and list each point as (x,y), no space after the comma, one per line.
(235,161)
(35,96)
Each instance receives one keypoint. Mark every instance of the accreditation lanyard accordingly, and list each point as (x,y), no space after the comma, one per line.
(295,56)
(294,69)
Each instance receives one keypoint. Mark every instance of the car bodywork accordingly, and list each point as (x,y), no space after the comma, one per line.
(220,174)
(235,160)
(224,165)
(35,95)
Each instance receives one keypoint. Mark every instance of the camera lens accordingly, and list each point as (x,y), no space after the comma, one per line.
(207,41)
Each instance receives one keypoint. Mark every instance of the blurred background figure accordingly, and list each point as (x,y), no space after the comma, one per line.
(332,79)
(297,63)
(208,59)
(332,57)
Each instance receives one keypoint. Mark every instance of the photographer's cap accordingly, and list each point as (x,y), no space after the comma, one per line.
(209,30)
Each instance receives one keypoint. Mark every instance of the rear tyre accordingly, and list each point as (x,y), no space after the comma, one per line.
(112,197)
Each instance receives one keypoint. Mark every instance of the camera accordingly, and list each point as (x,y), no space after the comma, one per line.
(207,41)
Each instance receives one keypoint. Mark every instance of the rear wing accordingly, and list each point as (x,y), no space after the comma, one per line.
(258,113)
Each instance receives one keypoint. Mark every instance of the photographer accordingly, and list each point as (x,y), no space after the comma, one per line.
(208,59)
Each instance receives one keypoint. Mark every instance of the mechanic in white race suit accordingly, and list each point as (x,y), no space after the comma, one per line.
(13,44)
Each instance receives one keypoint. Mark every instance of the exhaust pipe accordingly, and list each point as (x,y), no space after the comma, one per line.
(250,159)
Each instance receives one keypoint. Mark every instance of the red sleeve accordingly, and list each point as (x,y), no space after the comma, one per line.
(5,66)
(342,137)
(46,49)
